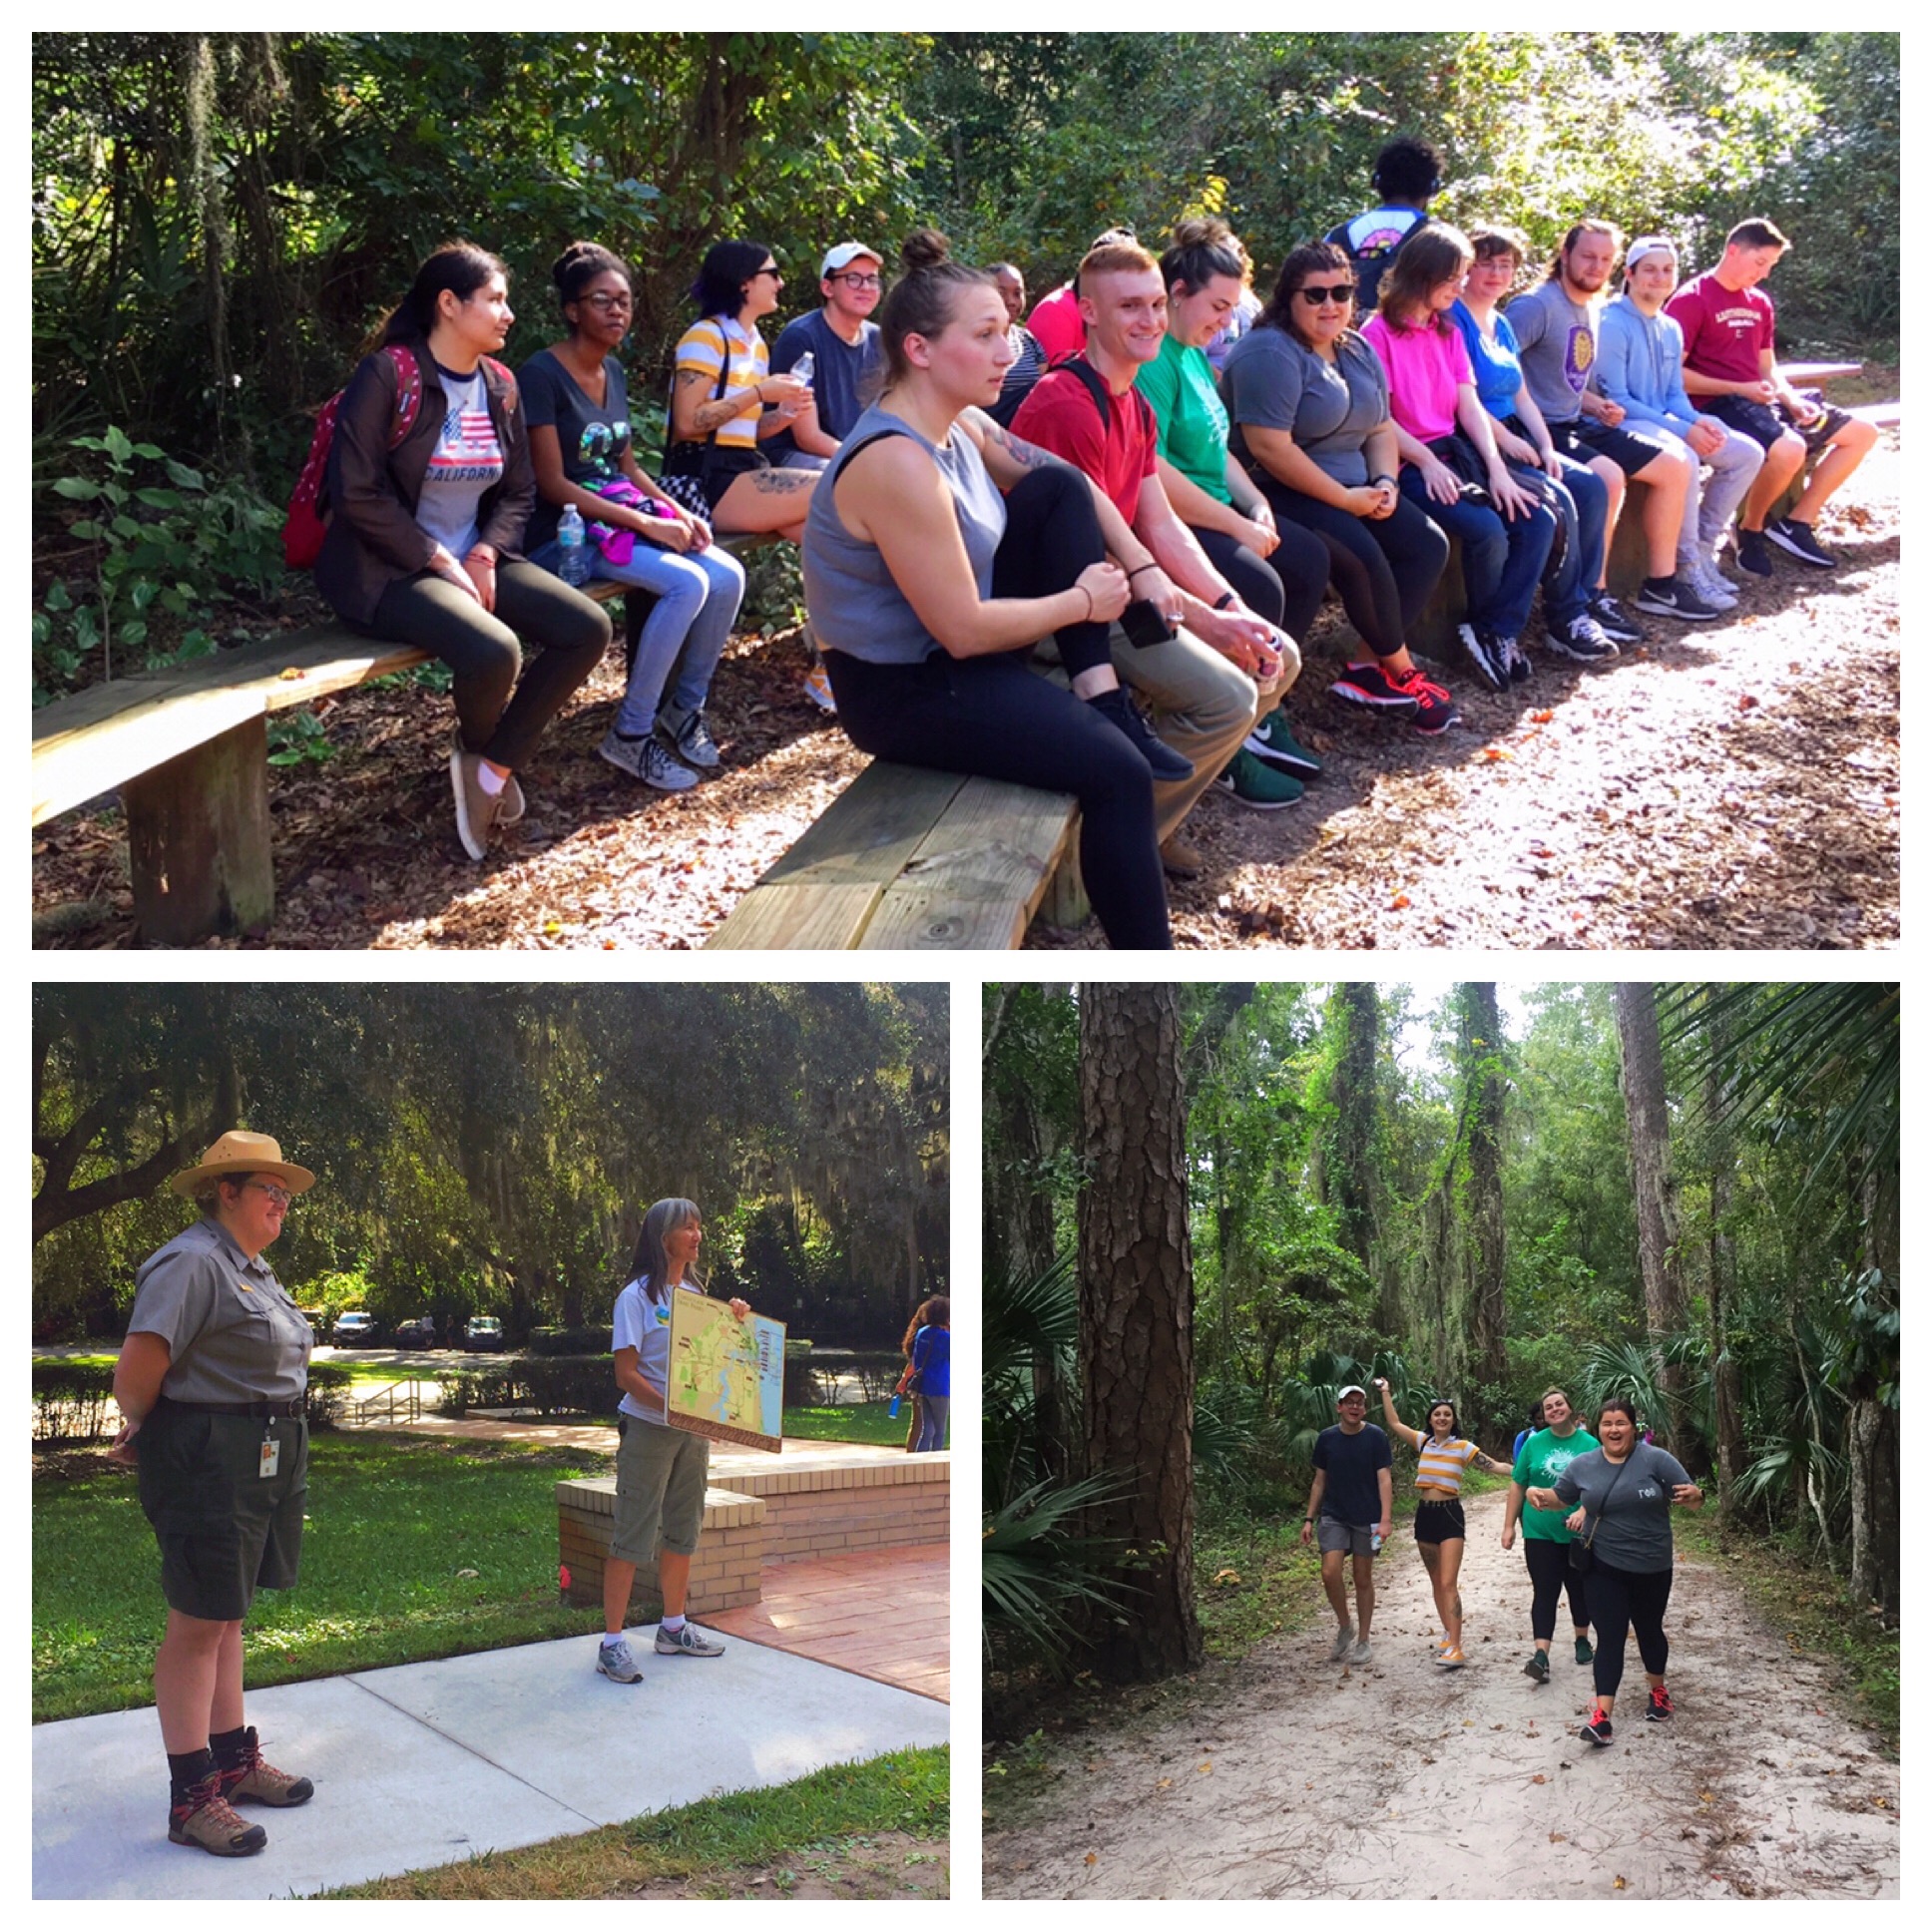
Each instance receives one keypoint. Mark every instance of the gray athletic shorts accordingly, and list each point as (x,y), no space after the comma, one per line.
(1345,1539)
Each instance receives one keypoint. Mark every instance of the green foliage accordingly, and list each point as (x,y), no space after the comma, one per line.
(71,1400)
(551,1385)
(157,560)
(1037,1569)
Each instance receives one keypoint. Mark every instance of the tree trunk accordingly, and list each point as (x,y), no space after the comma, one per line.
(1483,1253)
(1136,1320)
(1727,1402)
(1350,1169)
(1648,1123)
(1871,1445)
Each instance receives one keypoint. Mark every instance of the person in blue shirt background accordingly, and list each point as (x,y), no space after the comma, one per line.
(932,1369)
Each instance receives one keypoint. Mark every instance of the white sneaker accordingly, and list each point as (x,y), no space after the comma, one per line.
(646,759)
(1362,1652)
(1339,1648)
(1714,588)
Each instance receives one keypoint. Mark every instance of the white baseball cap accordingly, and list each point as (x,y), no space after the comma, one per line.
(843,255)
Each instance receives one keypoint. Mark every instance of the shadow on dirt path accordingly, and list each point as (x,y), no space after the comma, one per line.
(1296,1778)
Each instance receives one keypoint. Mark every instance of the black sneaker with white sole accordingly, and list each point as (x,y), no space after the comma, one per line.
(1484,649)
(1597,1731)
(1798,540)
(1614,621)
(1583,640)
(1674,597)
(1753,553)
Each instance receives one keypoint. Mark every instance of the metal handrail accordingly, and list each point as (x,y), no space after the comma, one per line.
(386,1399)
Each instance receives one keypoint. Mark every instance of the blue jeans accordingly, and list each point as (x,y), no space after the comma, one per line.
(698,599)
(1568,588)
(932,1422)
(1502,557)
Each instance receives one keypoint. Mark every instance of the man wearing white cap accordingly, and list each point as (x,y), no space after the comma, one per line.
(844,350)
(1354,1500)
(1640,367)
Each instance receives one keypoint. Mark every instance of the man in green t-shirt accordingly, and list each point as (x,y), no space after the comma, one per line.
(1546,1533)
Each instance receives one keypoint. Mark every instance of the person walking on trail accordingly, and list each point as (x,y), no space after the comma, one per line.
(661,1471)
(211,1385)
(1353,1498)
(1546,1534)
(1625,1490)
(1440,1533)
(1523,1435)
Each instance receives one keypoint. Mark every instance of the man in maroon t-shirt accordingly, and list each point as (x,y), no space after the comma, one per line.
(1207,682)
(1730,364)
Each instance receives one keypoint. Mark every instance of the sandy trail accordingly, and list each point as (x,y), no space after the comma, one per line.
(1293,1778)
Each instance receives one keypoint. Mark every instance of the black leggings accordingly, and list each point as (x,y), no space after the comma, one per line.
(1286,588)
(1052,535)
(994,716)
(1550,1577)
(1619,1598)
(1384,569)
(570,632)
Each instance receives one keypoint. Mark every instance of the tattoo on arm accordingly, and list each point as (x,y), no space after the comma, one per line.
(1028,456)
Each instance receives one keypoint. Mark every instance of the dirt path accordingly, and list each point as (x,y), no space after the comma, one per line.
(1296,1778)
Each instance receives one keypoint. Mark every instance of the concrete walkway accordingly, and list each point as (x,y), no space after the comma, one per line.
(429,1763)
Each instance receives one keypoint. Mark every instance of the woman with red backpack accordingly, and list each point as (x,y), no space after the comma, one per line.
(428,494)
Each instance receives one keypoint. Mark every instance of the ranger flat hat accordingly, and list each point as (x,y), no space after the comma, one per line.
(238,1151)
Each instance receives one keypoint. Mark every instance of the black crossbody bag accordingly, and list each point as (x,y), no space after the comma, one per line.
(1581,1559)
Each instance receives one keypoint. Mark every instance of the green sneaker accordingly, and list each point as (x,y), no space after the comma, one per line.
(1584,1652)
(1274,744)
(1538,1666)
(1259,786)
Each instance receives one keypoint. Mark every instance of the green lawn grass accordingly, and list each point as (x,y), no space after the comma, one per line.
(819,1823)
(392,1523)
(855,1422)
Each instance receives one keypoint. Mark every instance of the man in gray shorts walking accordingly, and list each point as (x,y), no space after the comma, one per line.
(1353,1499)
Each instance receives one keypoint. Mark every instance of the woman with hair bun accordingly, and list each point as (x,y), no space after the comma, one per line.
(724,401)
(584,453)
(422,546)
(659,1470)
(927,589)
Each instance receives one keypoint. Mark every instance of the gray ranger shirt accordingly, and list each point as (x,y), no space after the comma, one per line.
(233,1331)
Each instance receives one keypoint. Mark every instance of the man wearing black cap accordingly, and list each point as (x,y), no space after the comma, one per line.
(1353,1499)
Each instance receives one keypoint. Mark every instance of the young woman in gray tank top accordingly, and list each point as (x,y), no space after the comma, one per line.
(927,591)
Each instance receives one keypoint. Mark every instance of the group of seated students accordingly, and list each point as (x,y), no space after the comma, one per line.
(1015,535)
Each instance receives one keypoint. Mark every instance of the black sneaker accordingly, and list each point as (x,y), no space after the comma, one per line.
(1614,623)
(1798,538)
(1370,685)
(1597,1730)
(1662,1708)
(1485,651)
(1168,766)
(1538,1666)
(1753,553)
(1582,638)
(1520,669)
(1673,596)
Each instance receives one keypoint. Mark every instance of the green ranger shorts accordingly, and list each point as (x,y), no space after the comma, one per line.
(224,1530)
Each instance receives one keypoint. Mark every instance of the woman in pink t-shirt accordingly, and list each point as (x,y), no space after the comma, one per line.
(1451,466)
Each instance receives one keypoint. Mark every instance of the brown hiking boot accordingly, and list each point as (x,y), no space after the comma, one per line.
(256,1778)
(206,1819)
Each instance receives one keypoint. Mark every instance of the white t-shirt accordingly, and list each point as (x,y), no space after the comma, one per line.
(641,1324)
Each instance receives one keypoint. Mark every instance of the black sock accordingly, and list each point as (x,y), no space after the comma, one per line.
(229,1746)
(186,1770)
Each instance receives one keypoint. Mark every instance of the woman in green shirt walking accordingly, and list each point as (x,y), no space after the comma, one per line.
(1546,1534)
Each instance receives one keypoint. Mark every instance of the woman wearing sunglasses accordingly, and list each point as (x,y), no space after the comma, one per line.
(1309,409)
(211,1386)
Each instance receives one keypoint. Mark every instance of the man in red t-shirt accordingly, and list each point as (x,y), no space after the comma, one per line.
(1731,365)
(1208,681)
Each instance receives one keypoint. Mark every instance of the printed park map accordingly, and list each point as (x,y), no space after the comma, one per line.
(726,1375)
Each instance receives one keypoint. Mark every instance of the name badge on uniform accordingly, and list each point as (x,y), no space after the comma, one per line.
(270,1456)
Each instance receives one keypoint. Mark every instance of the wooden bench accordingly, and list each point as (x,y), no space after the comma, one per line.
(918,861)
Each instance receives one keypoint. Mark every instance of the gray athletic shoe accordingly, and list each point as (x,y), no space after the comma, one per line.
(646,759)
(1339,1648)
(687,1641)
(688,737)
(614,1661)
(1362,1652)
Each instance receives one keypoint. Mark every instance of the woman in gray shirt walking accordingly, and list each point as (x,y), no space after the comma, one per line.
(1625,1491)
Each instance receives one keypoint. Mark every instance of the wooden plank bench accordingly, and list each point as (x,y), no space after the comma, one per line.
(918,861)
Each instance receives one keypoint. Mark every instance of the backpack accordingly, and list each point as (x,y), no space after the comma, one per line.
(1371,246)
(1090,380)
(305,526)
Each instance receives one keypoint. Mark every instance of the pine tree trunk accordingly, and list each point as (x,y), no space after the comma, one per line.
(1727,1399)
(1350,1166)
(1136,1320)
(1483,1251)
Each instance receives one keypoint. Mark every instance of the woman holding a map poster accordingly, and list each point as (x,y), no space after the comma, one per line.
(661,1471)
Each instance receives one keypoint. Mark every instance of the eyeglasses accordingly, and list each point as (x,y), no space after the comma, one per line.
(860,282)
(279,1196)
(1342,292)
(609,304)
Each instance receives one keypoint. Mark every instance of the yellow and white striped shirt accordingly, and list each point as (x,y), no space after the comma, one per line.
(703,348)
(1439,1465)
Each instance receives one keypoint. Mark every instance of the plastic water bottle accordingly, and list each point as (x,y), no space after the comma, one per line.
(804,367)
(893,1408)
(1376,1543)
(576,565)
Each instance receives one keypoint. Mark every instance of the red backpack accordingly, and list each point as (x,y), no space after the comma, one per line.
(301,532)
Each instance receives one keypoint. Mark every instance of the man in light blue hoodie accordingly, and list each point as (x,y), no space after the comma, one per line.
(1640,367)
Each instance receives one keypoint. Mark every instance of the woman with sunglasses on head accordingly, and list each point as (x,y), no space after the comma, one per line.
(211,1385)
(423,545)
(1308,405)
(1451,466)
(582,446)
(724,401)
(1440,1532)
(1624,1492)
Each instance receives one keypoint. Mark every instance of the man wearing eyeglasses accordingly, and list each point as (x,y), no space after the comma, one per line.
(844,350)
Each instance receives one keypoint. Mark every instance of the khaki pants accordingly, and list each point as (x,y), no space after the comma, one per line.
(1202,704)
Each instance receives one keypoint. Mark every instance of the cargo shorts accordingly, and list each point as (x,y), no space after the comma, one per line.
(660,1478)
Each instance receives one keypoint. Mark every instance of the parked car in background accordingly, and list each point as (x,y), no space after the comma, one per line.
(354,1329)
(420,1331)
(482,1331)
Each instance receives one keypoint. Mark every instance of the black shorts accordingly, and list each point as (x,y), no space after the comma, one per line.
(1585,438)
(1765,422)
(224,1530)
(723,467)
(1437,1521)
